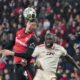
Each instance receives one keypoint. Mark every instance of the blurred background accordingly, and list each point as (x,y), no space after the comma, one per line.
(61,17)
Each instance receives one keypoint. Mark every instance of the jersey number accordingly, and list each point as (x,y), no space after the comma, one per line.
(49,53)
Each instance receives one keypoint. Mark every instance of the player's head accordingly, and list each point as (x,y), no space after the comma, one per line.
(30,18)
(49,39)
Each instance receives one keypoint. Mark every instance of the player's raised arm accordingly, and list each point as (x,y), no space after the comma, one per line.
(69,58)
(72,61)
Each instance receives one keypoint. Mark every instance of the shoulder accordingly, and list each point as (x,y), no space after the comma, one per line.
(34,35)
(21,30)
(59,47)
(41,46)
(33,38)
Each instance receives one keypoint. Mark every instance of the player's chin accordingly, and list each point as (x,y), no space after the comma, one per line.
(31,30)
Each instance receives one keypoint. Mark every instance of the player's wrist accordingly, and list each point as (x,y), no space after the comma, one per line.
(12,53)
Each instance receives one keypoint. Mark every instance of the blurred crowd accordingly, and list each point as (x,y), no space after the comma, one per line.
(61,17)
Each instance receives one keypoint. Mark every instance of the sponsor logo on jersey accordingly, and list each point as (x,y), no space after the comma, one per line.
(20,42)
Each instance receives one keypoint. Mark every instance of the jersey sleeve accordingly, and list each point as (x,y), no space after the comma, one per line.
(36,52)
(32,44)
(64,52)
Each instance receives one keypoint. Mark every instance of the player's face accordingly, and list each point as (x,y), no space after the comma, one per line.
(31,26)
(49,43)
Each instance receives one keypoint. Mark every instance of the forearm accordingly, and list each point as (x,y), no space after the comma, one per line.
(72,61)
(8,52)
(23,55)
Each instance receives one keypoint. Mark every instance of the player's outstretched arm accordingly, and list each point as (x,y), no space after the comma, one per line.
(6,52)
(72,61)
(26,55)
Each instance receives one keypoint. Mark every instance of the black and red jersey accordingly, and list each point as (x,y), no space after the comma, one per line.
(24,43)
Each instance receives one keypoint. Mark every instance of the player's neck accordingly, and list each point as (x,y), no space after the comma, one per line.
(48,48)
(27,32)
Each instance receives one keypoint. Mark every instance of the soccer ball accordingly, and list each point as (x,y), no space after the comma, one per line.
(29,13)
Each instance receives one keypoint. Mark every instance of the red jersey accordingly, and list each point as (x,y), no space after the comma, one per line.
(21,43)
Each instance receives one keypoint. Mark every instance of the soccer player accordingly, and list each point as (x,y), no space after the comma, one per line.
(47,58)
(25,43)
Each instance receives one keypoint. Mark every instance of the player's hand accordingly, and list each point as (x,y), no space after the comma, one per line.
(24,62)
(7,52)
